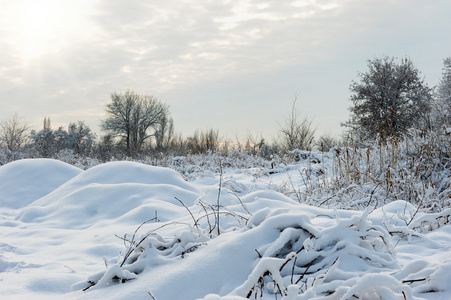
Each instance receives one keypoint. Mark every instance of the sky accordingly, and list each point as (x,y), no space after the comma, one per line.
(231,66)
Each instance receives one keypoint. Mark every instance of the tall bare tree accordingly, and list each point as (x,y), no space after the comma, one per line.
(134,117)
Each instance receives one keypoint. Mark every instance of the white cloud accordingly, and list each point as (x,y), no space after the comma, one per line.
(226,55)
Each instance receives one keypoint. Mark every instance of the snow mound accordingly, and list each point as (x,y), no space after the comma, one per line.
(24,181)
(297,252)
(277,250)
(125,230)
(125,192)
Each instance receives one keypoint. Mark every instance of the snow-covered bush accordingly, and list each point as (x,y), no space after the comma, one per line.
(415,169)
(309,260)
(142,252)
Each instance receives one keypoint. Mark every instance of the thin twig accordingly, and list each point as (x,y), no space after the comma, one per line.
(292,269)
(219,194)
(305,272)
(206,214)
(150,294)
(414,280)
(259,255)
(194,219)
(241,202)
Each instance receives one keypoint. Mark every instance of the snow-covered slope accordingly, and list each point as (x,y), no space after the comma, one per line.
(125,230)
(24,181)
(125,192)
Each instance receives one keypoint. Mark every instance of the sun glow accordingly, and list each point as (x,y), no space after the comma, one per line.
(36,28)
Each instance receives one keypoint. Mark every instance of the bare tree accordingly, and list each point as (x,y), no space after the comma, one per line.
(210,139)
(254,144)
(13,133)
(164,133)
(203,141)
(132,116)
(296,133)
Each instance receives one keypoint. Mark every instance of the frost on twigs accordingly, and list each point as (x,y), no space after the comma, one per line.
(144,251)
(151,249)
(424,276)
(431,222)
(305,261)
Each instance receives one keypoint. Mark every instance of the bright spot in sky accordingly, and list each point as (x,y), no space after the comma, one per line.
(43,27)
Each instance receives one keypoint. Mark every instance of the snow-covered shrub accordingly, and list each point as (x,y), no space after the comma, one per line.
(142,252)
(79,161)
(307,261)
(415,169)
(431,222)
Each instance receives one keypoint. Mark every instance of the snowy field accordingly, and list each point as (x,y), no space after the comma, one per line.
(124,230)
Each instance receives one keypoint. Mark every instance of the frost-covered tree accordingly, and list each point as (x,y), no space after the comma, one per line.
(133,117)
(61,139)
(443,95)
(326,142)
(80,138)
(47,142)
(43,141)
(389,99)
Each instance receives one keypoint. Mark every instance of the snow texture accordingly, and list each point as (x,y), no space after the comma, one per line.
(125,230)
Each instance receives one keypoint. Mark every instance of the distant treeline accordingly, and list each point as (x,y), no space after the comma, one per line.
(388,101)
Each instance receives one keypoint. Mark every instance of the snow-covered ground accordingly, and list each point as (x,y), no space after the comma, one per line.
(124,230)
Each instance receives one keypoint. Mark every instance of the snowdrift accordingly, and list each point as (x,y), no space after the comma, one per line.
(126,191)
(24,181)
(125,230)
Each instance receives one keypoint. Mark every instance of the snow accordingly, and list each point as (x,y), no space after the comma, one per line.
(125,230)
(24,181)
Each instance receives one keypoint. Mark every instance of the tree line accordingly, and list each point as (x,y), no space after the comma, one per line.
(388,99)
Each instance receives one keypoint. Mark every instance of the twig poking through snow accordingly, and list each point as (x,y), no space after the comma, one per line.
(192,216)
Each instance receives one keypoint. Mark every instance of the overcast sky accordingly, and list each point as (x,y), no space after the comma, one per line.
(235,66)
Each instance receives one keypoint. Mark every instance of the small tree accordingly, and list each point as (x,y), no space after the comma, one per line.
(43,141)
(254,144)
(203,141)
(131,116)
(80,138)
(105,148)
(164,133)
(210,140)
(48,142)
(325,143)
(389,99)
(296,133)
(13,133)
